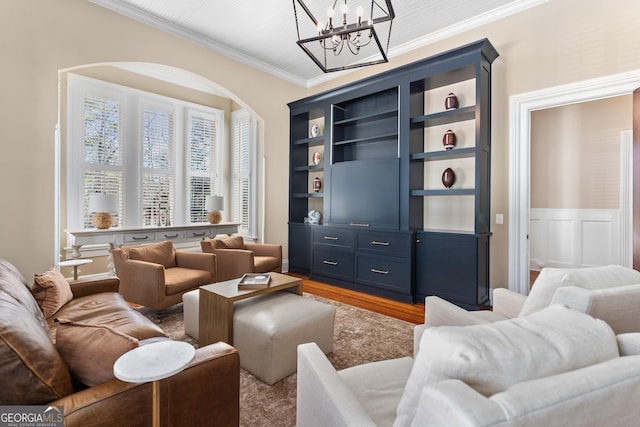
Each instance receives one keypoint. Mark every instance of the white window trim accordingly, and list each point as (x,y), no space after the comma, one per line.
(133,102)
(240,116)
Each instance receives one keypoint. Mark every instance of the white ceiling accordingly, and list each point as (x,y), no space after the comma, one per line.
(262,33)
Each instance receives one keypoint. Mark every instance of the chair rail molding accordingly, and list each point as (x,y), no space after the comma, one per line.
(520,108)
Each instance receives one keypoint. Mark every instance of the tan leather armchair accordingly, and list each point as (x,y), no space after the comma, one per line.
(235,257)
(156,275)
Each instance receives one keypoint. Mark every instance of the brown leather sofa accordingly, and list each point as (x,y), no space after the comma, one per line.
(33,371)
(235,257)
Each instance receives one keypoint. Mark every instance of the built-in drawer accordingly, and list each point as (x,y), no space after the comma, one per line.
(199,234)
(384,272)
(141,237)
(333,236)
(169,235)
(332,262)
(395,244)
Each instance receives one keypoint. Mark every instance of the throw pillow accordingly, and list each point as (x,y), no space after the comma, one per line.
(550,279)
(158,253)
(32,370)
(91,350)
(491,357)
(51,291)
(229,242)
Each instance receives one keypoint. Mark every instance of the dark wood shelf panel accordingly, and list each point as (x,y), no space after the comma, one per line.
(456,153)
(307,195)
(367,139)
(311,142)
(445,192)
(444,117)
(309,168)
(367,118)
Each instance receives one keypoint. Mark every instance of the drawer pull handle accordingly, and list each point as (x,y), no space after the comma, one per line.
(198,234)
(140,238)
(375,270)
(329,262)
(359,224)
(375,242)
(170,236)
(329,238)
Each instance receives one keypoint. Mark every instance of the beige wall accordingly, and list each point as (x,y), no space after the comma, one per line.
(555,43)
(39,38)
(575,154)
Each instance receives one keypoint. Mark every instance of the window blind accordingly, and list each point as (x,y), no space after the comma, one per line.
(241,169)
(202,161)
(157,180)
(102,171)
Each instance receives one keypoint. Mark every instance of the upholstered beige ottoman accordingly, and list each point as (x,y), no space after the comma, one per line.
(267,330)
(191,309)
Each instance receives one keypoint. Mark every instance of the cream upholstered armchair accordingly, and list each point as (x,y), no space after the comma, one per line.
(156,275)
(235,257)
(610,293)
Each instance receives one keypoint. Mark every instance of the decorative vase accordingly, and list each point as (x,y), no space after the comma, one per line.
(451,102)
(101,220)
(448,177)
(317,184)
(317,158)
(449,139)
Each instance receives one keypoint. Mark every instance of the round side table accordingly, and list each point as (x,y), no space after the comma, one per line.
(75,263)
(153,362)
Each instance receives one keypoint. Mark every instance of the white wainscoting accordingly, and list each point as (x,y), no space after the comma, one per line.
(574,238)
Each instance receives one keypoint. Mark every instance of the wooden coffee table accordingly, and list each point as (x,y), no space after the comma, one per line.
(216,305)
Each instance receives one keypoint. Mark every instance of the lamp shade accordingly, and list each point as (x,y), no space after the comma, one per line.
(214,203)
(103,203)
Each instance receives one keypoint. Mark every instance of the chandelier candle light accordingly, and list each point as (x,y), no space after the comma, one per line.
(363,27)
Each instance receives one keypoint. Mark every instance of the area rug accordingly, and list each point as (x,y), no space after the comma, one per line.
(360,336)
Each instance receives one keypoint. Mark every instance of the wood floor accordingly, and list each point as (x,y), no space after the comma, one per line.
(413,313)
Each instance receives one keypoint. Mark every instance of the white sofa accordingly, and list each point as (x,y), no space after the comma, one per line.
(610,293)
(557,366)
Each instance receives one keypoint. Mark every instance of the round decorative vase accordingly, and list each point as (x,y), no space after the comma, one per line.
(449,139)
(451,102)
(315,130)
(101,220)
(317,184)
(448,177)
(214,217)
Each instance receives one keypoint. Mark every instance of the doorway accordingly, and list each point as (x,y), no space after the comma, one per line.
(520,109)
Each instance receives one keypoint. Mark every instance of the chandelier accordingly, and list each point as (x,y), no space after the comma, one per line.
(347,35)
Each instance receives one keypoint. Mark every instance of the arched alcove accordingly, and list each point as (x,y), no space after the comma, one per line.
(162,80)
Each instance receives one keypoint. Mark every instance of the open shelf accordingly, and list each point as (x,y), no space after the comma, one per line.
(456,153)
(444,117)
(367,139)
(368,117)
(445,192)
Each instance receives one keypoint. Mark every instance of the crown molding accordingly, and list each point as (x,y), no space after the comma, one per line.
(117,6)
(164,25)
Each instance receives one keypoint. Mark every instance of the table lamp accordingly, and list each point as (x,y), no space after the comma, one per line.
(102,205)
(214,204)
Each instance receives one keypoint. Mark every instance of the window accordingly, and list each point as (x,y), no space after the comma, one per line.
(202,158)
(102,146)
(242,165)
(159,155)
